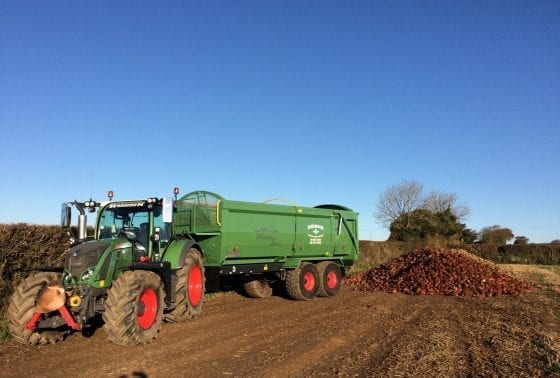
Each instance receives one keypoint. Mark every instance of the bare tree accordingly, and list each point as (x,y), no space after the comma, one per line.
(402,199)
(440,201)
(398,200)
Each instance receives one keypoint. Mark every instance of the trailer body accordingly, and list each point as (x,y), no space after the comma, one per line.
(246,237)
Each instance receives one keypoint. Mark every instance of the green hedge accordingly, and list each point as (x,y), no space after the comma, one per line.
(539,254)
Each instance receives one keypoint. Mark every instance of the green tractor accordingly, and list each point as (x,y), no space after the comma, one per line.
(152,260)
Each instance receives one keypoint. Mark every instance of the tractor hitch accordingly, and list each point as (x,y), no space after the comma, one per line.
(52,299)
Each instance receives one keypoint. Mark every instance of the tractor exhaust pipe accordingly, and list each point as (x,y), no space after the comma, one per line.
(82,221)
(82,227)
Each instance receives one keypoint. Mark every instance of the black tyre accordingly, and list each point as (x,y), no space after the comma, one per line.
(302,283)
(134,308)
(22,306)
(257,289)
(330,278)
(190,288)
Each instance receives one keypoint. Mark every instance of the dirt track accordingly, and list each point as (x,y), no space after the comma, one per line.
(355,333)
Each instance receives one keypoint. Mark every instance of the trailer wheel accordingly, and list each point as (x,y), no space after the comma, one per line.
(257,289)
(189,290)
(134,308)
(302,283)
(22,306)
(330,278)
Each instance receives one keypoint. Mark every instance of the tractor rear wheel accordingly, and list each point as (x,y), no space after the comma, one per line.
(257,289)
(302,283)
(330,278)
(22,306)
(134,308)
(189,290)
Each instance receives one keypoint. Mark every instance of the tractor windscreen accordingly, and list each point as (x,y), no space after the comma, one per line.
(135,219)
(132,218)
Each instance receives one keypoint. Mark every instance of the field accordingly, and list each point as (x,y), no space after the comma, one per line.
(353,334)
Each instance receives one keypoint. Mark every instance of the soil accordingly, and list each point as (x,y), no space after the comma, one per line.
(352,334)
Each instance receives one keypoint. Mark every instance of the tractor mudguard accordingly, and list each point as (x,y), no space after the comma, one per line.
(177,251)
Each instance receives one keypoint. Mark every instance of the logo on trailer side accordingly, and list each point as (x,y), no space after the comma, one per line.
(315,233)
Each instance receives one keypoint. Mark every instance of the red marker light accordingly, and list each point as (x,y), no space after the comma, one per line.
(176,190)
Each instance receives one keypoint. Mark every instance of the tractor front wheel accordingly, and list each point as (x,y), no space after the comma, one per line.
(22,306)
(189,290)
(134,308)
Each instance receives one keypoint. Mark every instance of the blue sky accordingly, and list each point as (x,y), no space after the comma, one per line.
(315,101)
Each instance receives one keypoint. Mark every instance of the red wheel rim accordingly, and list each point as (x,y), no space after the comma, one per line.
(147,308)
(308,281)
(332,279)
(194,285)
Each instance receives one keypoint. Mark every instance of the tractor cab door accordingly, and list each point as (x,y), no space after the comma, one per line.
(160,232)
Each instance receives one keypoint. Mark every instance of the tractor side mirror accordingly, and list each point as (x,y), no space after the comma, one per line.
(65,215)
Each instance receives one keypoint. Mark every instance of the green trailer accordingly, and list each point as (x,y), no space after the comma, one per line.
(152,260)
(263,240)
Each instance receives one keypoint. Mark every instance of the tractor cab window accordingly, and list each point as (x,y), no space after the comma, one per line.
(119,218)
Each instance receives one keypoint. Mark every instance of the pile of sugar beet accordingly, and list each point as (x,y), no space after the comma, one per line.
(435,271)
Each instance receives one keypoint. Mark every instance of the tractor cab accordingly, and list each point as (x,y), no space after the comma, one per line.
(146,224)
(140,222)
